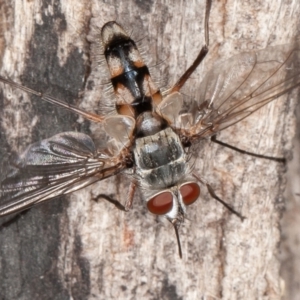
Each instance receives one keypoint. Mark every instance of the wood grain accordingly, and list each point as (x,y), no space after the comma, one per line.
(75,248)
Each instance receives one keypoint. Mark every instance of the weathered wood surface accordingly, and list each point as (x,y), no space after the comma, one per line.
(74,248)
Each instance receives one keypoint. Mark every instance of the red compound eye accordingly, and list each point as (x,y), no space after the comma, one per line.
(161,203)
(189,192)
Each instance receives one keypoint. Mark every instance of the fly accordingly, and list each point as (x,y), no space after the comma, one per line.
(151,131)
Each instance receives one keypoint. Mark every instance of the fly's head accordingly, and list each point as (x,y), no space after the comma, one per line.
(172,203)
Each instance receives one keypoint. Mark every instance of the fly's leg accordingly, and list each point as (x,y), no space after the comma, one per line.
(204,50)
(110,199)
(277,159)
(116,203)
(182,80)
(11,219)
(131,192)
(52,100)
(213,194)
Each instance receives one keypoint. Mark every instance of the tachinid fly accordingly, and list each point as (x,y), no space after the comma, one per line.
(150,132)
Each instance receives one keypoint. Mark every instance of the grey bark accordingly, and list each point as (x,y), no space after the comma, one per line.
(75,248)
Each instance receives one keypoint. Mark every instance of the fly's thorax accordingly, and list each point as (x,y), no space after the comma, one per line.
(134,89)
(160,159)
(149,123)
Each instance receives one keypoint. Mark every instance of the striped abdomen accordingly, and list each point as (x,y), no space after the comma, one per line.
(133,86)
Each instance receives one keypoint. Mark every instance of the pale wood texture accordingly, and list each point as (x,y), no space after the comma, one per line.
(79,249)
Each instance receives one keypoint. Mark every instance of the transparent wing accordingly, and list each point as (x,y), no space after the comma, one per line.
(239,86)
(59,165)
(233,90)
